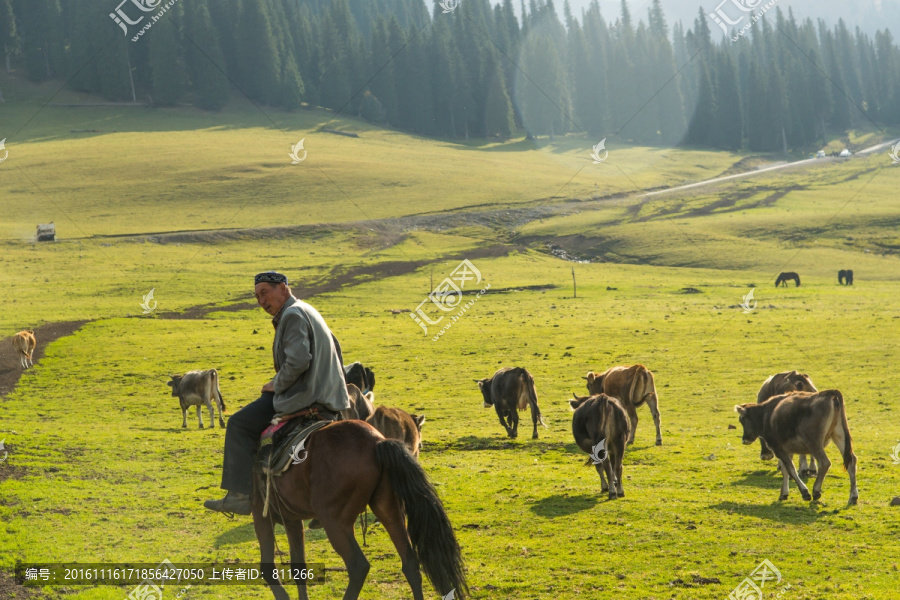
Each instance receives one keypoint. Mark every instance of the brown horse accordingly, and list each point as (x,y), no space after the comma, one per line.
(349,466)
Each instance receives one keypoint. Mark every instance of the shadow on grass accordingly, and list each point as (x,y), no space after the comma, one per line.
(792,510)
(562,506)
(766,479)
(246,533)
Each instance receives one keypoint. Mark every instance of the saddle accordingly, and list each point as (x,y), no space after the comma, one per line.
(283,443)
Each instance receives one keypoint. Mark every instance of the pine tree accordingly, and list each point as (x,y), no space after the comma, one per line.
(730,114)
(168,77)
(206,62)
(498,118)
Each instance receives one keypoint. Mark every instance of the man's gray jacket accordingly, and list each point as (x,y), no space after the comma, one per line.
(307,362)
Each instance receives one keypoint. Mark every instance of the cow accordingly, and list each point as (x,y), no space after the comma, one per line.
(397,424)
(602,418)
(802,422)
(197,388)
(24,343)
(845,277)
(360,376)
(782,383)
(361,405)
(510,390)
(785,277)
(632,386)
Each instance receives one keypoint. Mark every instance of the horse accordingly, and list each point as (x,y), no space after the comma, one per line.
(785,277)
(349,465)
(845,277)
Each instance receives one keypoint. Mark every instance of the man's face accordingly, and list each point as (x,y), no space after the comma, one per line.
(271,297)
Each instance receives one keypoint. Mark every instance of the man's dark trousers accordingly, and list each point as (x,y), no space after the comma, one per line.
(241,441)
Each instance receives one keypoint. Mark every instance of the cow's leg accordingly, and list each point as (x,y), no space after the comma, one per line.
(785,479)
(534,420)
(824,464)
(611,476)
(297,542)
(618,464)
(633,417)
(199,416)
(841,441)
(514,423)
(787,468)
(812,465)
(652,402)
(183,417)
(502,417)
(802,467)
(221,419)
(265,535)
(765,453)
(602,470)
(212,414)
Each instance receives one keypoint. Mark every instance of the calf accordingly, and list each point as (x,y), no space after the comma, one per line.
(601,418)
(510,390)
(782,383)
(361,405)
(396,424)
(632,386)
(197,388)
(802,422)
(24,344)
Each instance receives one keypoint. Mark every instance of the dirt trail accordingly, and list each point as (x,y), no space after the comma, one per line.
(10,367)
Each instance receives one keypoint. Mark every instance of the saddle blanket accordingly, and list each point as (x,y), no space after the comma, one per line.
(278,453)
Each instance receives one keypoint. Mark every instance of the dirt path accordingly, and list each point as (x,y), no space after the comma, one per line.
(11,369)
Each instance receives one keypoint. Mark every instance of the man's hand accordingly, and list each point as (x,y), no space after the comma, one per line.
(269,387)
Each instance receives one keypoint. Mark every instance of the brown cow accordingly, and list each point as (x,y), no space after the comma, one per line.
(602,419)
(396,424)
(361,405)
(24,344)
(510,390)
(782,383)
(802,422)
(632,386)
(198,388)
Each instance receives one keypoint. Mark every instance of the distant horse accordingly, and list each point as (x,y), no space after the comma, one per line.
(349,466)
(785,277)
(845,277)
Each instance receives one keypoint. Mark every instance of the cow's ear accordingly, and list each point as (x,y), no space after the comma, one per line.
(480,383)
(740,410)
(171,383)
(419,419)
(573,404)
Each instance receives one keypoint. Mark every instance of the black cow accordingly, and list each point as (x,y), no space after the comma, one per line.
(845,277)
(510,390)
(360,376)
(600,426)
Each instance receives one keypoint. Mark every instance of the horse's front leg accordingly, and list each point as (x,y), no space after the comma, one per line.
(297,541)
(265,535)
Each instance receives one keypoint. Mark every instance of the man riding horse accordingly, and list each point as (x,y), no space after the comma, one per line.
(309,373)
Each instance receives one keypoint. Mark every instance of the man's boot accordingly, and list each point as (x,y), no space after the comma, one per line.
(233,502)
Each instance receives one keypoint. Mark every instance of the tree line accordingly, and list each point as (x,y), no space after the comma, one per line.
(477,71)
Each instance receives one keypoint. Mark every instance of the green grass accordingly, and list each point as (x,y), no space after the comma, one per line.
(104,471)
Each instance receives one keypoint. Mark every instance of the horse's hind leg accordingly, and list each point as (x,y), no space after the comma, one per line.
(265,535)
(297,541)
(386,507)
(343,540)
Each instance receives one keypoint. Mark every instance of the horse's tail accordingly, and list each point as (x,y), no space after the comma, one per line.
(429,528)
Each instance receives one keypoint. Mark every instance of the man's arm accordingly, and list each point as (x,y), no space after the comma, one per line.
(296,340)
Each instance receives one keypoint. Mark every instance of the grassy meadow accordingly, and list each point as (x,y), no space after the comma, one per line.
(100,470)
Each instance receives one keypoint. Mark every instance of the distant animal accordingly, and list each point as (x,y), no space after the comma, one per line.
(802,422)
(198,388)
(601,418)
(510,390)
(397,424)
(24,343)
(361,405)
(845,277)
(782,383)
(632,386)
(785,277)
(360,376)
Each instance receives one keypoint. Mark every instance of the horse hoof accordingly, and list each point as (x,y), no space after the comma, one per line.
(782,497)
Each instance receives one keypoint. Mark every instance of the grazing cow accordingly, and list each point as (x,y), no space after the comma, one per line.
(510,390)
(785,277)
(802,422)
(360,376)
(782,383)
(632,386)
(198,388)
(361,405)
(597,419)
(845,277)
(24,344)
(396,424)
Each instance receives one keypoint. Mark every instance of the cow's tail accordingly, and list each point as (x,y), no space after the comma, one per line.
(215,375)
(532,399)
(640,384)
(429,527)
(847,452)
